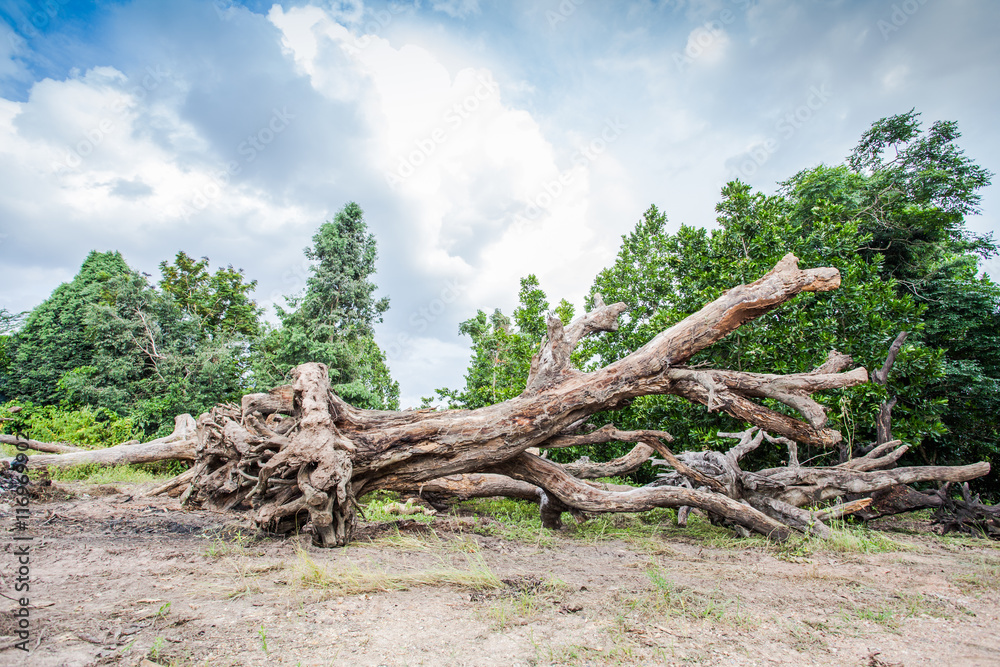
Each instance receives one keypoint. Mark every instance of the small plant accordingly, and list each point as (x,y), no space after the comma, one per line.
(157,648)
(162,612)
(263,638)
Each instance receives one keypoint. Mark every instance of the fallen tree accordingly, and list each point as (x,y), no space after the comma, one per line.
(299,456)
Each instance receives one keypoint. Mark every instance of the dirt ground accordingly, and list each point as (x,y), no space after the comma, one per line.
(118,579)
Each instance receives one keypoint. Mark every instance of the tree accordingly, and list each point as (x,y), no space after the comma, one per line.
(300,456)
(9,323)
(54,339)
(502,350)
(221,300)
(333,321)
(111,341)
(663,277)
(909,192)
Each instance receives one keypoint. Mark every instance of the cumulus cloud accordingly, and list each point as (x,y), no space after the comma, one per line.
(481,150)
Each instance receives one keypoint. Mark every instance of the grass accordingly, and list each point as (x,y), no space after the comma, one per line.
(93,473)
(519,520)
(984,576)
(351,579)
(509,519)
(845,538)
(521,599)
(670,599)
(891,612)
(375,506)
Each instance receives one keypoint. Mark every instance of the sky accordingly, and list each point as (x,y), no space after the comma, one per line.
(485,141)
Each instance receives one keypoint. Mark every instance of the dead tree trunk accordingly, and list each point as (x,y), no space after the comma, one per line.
(308,459)
(300,455)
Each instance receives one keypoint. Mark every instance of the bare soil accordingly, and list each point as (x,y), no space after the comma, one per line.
(118,578)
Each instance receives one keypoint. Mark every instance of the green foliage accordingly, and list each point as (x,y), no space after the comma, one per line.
(85,426)
(910,191)
(221,300)
(501,351)
(665,277)
(339,299)
(9,323)
(332,322)
(54,338)
(109,347)
(110,342)
(895,230)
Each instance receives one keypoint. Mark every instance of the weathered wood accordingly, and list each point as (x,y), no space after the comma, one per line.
(179,445)
(883,422)
(300,456)
(575,493)
(50,447)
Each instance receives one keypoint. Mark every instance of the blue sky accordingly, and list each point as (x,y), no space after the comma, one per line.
(485,141)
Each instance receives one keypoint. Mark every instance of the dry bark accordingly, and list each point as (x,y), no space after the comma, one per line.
(50,447)
(781,492)
(179,445)
(300,456)
(883,423)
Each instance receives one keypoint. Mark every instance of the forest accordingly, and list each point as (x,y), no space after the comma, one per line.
(113,356)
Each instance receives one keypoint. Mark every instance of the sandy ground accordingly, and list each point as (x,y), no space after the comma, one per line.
(118,578)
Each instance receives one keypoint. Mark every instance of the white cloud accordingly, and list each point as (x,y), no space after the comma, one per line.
(468,168)
(895,78)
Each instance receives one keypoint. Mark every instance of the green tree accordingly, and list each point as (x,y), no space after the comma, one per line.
(910,191)
(333,320)
(502,350)
(665,277)
(9,324)
(55,339)
(110,341)
(221,300)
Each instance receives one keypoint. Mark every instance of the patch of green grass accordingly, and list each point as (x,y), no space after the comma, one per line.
(157,648)
(844,538)
(510,519)
(426,541)
(263,639)
(93,473)
(522,599)
(520,520)
(673,600)
(375,506)
(576,654)
(513,610)
(847,538)
(229,542)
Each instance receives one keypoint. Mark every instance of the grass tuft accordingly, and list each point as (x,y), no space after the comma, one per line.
(352,580)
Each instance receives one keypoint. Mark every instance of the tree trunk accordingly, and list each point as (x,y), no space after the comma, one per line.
(300,456)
